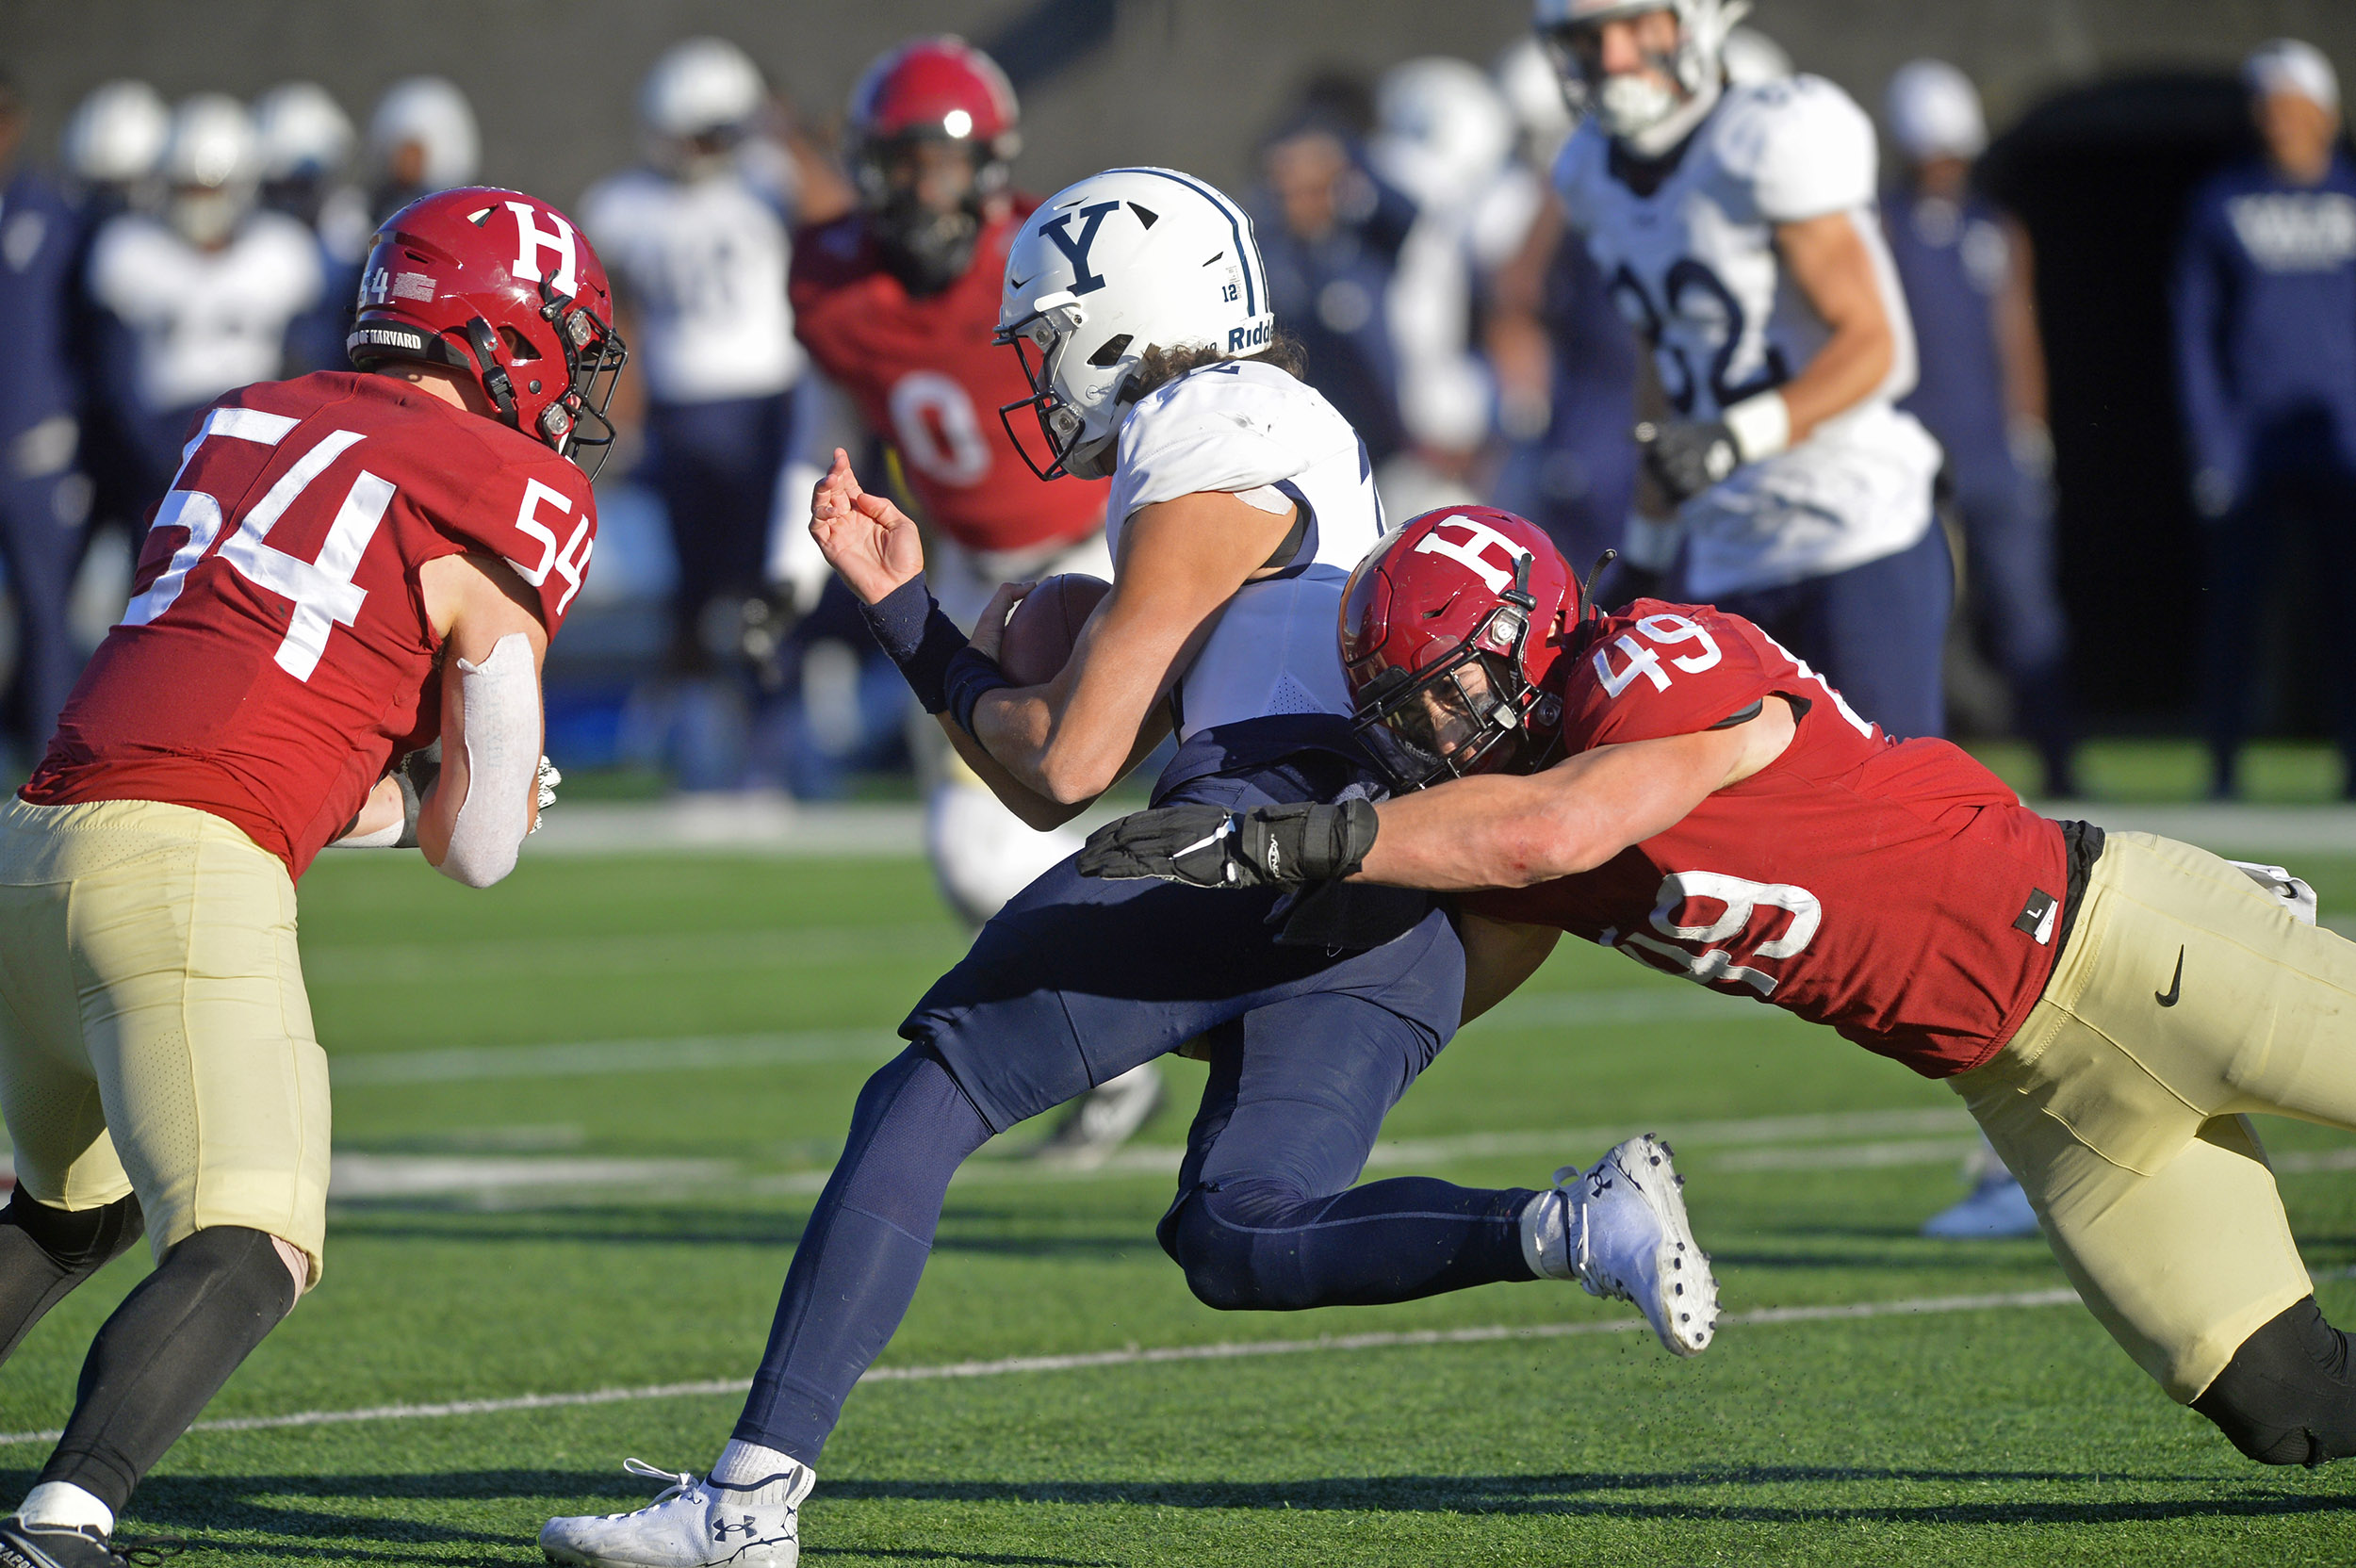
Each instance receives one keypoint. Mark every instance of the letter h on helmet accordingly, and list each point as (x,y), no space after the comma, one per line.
(502,287)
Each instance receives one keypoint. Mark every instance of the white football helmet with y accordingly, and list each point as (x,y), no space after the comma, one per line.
(1630,105)
(1121,262)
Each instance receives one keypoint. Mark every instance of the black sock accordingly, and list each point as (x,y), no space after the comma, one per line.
(165,1354)
(2288,1397)
(45,1252)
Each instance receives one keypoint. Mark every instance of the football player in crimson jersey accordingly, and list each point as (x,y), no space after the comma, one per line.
(1668,781)
(347,568)
(898,303)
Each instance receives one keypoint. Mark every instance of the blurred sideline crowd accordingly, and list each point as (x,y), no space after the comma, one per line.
(1413,245)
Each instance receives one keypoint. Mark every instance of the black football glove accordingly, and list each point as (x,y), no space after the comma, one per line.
(1687,459)
(1207,846)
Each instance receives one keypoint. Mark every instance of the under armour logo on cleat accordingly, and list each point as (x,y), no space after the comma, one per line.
(2175,983)
(720,1527)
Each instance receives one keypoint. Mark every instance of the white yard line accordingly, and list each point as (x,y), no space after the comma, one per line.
(1132,1356)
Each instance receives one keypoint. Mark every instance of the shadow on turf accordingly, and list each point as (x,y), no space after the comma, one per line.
(276,1506)
(1619,1496)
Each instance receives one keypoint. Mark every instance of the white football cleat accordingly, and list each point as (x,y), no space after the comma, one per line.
(1103,1119)
(1626,1236)
(1997,1207)
(691,1524)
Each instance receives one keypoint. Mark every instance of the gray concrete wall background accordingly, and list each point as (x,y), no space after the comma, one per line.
(1187,82)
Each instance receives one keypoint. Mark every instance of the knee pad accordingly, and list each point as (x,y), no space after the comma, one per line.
(2288,1396)
(76,1240)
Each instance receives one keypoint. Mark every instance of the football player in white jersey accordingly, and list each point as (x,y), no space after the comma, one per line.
(1239,502)
(699,242)
(1735,227)
(206,291)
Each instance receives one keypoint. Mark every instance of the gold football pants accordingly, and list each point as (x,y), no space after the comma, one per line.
(2186,999)
(154,1034)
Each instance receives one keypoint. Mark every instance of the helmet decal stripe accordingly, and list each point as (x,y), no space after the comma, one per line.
(1247,253)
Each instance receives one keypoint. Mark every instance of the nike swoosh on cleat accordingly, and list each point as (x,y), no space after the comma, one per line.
(2175,983)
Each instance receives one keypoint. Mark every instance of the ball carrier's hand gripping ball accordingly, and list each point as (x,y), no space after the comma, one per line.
(501,285)
(1454,631)
(1045,623)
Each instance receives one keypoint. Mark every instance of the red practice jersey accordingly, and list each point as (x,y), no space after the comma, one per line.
(926,377)
(1895,890)
(275,653)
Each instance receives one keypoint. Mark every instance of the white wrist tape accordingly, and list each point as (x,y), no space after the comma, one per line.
(1761,426)
(1649,545)
(500,698)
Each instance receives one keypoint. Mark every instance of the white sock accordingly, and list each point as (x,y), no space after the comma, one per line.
(62,1505)
(1547,1247)
(760,1475)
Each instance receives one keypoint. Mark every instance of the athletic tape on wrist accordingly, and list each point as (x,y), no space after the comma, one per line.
(1761,426)
(909,627)
(971,674)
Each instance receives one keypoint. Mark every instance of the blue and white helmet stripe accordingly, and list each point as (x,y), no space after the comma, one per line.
(1238,224)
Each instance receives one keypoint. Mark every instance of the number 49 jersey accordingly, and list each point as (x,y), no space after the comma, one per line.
(1895,890)
(276,652)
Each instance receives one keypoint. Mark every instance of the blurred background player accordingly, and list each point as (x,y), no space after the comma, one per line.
(1444,137)
(898,303)
(422,137)
(334,580)
(1980,388)
(1331,230)
(2266,359)
(1735,225)
(305,143)
(43,497)
(203,294)
(112,145)
(699,239)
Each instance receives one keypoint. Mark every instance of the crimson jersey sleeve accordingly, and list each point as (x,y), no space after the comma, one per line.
(1895,891)
(276,650)
(1660,669)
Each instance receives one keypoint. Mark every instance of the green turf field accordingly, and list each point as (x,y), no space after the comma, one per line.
(583,1116)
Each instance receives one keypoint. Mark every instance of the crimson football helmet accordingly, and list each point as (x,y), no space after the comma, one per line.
(1452,632)
(926,98)
(501,285)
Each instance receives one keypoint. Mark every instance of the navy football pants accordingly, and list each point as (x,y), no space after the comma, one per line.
(1078,980)
(1878,633)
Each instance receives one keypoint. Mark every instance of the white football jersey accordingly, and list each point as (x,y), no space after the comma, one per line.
(204,322)
(1242,427)
(701,267)
(1693,267)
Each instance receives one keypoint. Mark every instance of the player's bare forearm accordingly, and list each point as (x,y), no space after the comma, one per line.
(1513,830)
(1831,264)
(1038,811)
(1181,561)
(2019,342)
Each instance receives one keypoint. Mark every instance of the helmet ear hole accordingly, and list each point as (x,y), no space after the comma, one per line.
(518,346)
(1109,354)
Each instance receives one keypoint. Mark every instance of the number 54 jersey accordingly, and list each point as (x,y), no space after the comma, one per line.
(1687,248)
(1895,890)
(275,653)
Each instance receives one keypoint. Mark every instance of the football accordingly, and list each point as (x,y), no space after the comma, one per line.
(1045,623)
